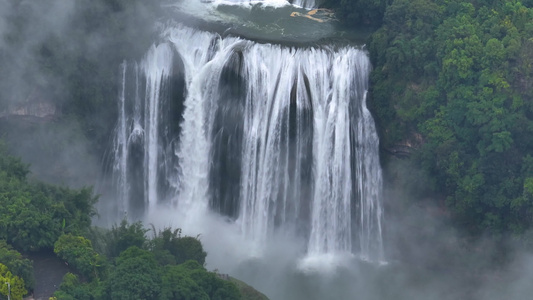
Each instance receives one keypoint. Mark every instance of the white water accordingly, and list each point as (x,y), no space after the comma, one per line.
(120,167)
(157,66)
(273,3)
(309,152)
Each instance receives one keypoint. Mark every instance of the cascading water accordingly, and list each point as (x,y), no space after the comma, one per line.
(278,139)
(142,157)
(301,3)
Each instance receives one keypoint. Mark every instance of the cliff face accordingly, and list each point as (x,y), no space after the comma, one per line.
(35,129)
(33,107)
(38,110)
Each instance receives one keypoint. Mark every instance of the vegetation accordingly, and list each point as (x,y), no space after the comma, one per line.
(359,12)
(37,217)
(124,236)
(136,273)
(34,215)
(453,79)
(78,251)
(16,284)
(136,276)
(247,291)
(17,265)
(170,245)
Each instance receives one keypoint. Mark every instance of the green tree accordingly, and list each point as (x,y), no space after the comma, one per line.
(182,248)
(191,281)
(459,78)
(361,12)
(126,235)
(72,289)
(19,266)
(178,285)
(16,284)
(137,275)
(78,252)
(33,215)
(216,288)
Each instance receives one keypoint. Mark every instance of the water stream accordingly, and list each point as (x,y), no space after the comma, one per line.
(275,138)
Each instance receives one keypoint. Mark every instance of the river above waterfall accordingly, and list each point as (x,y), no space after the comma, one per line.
(270,21)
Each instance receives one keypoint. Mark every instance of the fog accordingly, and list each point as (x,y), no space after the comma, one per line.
(30,98)
(24,26)
(426,257)
(59,64)
(4,9)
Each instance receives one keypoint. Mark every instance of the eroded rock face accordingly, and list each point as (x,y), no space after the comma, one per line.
(34,106)
(39,110)
(405,148)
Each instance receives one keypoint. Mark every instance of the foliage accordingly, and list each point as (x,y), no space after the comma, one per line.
(100,238)
(178,285)
(181,248)
(216,288)
(156,272)
(34,215)
(191,281)
(125,236)
(359,12)
(136,276)
(72,289)
(12,166)
(459,73)
(16,284)
(247,292)
(79,253)
(187,248)
(19,266)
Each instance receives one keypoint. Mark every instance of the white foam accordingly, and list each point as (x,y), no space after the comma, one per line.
(325,263)
(266,3)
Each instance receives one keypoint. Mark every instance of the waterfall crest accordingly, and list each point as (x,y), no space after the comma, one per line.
(278,139)
(309,4)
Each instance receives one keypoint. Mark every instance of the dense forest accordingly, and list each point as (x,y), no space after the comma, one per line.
(117,263)
(451,92)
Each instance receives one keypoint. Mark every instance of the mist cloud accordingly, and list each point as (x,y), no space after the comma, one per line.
(58,82)
(3,15)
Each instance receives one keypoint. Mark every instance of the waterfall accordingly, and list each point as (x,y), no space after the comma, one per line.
(142,159)
(309,4)
(120,167)
(156,67)
(305,3)
(277,139)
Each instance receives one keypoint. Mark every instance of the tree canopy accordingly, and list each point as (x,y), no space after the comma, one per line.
(18,265)
(33,215)
(453,78)
(169,266)
(15,287)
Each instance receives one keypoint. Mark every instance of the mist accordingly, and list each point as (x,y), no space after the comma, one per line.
(426,256)
(58,85)
(25,26)
(425,259)
(30,97)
